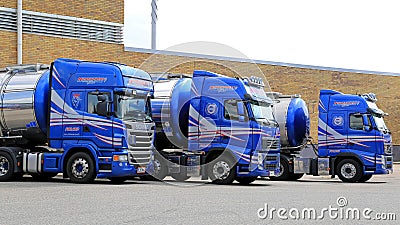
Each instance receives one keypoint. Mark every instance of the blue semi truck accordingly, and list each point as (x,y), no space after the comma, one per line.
(82,119)
(215,126)
(353,141)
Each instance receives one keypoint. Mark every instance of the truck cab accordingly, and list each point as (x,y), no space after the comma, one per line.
(229,125)
(353,127)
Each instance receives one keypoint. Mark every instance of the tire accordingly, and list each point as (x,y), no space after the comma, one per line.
(245,180)
(349,171)
(43,177)
(160,168)
(365,178)
(284,173)
(117,180)
(295,176)
(81,168)
(222,170)
(179,176)
(6,167)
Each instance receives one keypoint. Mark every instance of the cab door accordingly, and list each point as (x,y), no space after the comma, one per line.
(236,131)
(361,137)
(98,128)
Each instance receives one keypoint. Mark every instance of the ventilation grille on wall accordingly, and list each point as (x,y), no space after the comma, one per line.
(61,26)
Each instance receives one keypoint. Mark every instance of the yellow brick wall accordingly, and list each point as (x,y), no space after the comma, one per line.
(8,3)
(288,80)
(106,10)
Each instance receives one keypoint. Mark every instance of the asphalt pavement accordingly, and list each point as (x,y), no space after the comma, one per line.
(199,202)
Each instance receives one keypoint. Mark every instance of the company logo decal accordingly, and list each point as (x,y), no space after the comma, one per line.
(220,88)
(345,104)
(338,121)
(211,108)
(76,99)
(92,80)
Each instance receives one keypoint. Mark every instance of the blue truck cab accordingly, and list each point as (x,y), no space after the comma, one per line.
(91,119)
(352,126)
(223,126)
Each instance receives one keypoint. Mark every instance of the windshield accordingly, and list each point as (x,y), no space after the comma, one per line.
(378,117)
(380,123)
(262,111)
(136,108)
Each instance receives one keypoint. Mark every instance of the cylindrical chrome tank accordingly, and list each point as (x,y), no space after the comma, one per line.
(292,116)
(23,98)
(170,108)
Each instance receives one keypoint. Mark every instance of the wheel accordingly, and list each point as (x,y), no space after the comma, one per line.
(6,167)
(349,170)
(295,176)
(284,173)
(245,180)
(81,168)
(365,178)
(179,176)
(222,170)
(160,167)
(43,176)
(117,180)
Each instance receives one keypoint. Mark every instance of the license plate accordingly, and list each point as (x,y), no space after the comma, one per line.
(141,170)
(272,173)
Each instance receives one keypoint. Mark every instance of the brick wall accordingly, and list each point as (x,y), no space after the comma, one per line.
(106,10)
(288,80)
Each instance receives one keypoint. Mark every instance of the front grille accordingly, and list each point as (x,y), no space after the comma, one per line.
(270,144)
(270,166)
(388,149)
(140,144)
(389,163)
(271,158)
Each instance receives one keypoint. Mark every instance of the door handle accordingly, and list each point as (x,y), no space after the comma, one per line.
(86,129)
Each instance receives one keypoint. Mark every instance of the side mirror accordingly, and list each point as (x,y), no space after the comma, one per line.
(240,109)
(241,118)
(101,98)
(366,125)
(102,108)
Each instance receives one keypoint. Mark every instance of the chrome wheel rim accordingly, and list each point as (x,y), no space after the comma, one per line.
(157,167)
(281,170)
(4,165)
(221,170)
(348,170)
(80,168)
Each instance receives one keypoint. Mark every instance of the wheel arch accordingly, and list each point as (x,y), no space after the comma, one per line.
(88,150)
(13,152)
(346,155)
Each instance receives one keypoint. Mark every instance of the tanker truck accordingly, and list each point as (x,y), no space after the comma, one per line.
(214,126)
(82,119)
(353,140)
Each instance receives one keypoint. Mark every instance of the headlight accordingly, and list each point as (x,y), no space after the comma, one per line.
(120,158)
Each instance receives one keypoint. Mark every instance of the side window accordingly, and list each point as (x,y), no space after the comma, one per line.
(92,102)
(231,110)
(356,122)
